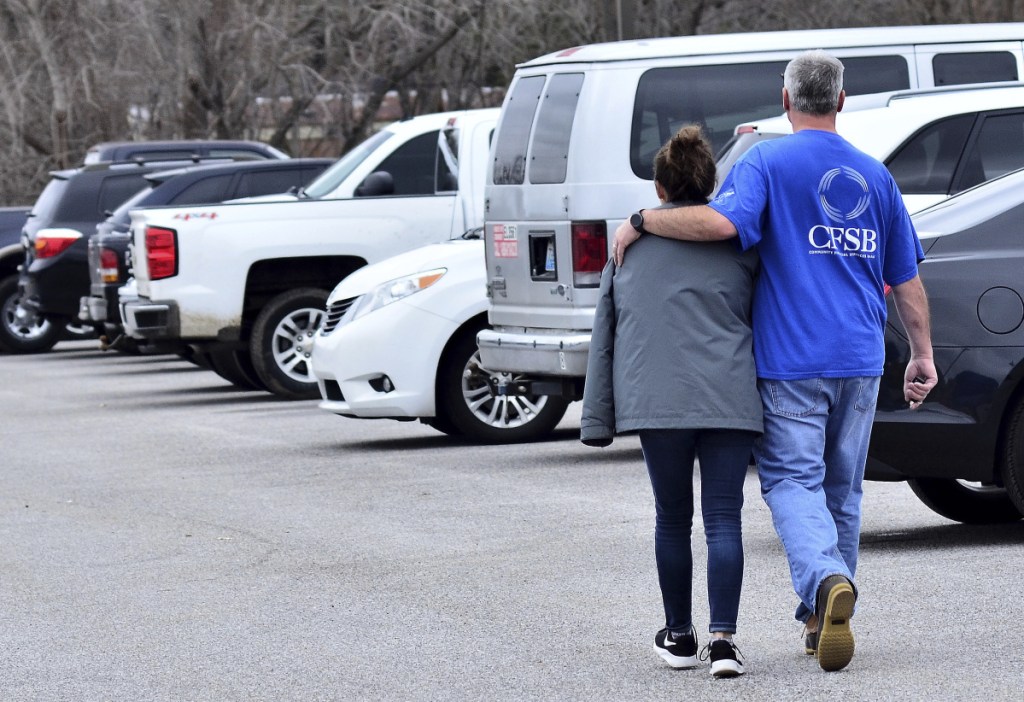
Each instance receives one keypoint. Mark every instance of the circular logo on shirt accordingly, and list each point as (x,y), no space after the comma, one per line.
(843,193)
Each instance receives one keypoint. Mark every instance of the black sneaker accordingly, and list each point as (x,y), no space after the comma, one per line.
(726,660)
(835,607)
(678,651)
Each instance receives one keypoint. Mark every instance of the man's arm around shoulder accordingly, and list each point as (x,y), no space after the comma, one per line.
(699,223)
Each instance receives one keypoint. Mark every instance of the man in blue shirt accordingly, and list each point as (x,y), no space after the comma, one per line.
(833,233)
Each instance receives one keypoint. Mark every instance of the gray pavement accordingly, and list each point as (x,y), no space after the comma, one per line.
(164,536)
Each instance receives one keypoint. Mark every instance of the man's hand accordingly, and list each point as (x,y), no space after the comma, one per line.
(918,381)
(912,307)
(624,236)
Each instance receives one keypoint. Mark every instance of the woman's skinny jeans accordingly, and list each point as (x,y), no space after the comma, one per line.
(724,457)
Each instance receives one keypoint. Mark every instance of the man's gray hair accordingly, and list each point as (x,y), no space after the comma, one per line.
(814,80)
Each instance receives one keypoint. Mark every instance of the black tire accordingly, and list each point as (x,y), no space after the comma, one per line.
(282,341)
(462,382)
(1012,468)
(235,366)
(199,358)
(969,503)
(20,330)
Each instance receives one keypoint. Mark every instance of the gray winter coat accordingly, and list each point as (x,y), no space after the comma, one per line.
(671,346)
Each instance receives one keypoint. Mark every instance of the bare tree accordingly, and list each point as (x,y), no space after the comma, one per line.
(313,75)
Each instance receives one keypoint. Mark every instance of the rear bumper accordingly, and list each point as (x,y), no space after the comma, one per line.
(542,352)
(145,319)
(54,286)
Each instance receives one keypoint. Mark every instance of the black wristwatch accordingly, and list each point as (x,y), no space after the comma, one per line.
(636,220)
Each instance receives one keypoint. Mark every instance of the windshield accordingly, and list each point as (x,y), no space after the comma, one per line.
(330,179)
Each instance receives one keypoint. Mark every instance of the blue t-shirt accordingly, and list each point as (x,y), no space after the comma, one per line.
(831,228)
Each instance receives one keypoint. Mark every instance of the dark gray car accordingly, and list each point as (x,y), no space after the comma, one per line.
(963,450)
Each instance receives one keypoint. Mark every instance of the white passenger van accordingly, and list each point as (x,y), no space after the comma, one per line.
(576,139)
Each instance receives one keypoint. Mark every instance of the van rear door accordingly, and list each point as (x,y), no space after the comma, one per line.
(536,258)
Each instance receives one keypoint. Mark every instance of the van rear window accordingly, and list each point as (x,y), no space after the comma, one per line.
(549,153)
(516,122)
(720,97)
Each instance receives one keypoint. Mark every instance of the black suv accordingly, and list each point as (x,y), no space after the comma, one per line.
(194,185)
(54,270)
(110,151)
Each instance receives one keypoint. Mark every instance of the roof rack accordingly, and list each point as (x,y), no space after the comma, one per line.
(941,89)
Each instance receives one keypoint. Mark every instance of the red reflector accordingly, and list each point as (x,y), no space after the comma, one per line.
(49,245)
(589,253)
(886,289)
(161,252)
(108,266)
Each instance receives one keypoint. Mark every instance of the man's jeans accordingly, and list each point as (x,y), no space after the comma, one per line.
(724,458)
(811,464)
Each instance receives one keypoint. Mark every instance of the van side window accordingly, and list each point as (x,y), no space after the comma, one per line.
(720,97)
(549,152)
(998,150)
(715,97)
(925,164)
(863,75)
(978,67)
(516,122)
(412,165)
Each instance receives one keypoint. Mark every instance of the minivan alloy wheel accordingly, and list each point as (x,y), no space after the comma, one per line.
(468,405)
(499,411)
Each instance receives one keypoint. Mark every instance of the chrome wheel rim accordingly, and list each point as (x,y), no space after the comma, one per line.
(292,343)
(22,322)
(497,411)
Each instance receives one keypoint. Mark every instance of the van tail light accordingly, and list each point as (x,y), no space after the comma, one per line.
(589,253)
(886,289)
(108,266)
(161,252)
(51,242)
(745,129)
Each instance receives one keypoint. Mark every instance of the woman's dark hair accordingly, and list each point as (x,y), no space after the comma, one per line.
(685,167)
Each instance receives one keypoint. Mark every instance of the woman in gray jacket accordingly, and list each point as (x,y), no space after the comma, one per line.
(671,358)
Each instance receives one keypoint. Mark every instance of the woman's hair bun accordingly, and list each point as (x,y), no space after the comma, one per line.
(685,166)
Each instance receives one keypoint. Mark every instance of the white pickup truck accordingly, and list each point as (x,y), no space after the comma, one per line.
(243,285)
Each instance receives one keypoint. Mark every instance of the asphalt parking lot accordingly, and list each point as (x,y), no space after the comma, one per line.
(164,536)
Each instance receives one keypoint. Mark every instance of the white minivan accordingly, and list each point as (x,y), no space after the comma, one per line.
(576,139)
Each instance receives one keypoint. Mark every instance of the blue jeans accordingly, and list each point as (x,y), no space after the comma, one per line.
(811,464)
(724,457)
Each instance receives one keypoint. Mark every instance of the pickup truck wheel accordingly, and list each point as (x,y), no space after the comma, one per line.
(970,503)
(21,329)
(235,366)
(465,401)
(282,341)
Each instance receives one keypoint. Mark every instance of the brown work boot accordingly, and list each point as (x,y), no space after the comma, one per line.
(835,603)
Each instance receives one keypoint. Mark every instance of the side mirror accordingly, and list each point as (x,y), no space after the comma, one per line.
(376,184)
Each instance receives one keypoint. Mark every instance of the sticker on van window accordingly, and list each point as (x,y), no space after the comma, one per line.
(505,243)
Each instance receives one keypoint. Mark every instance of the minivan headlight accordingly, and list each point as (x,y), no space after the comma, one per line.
(393,291)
